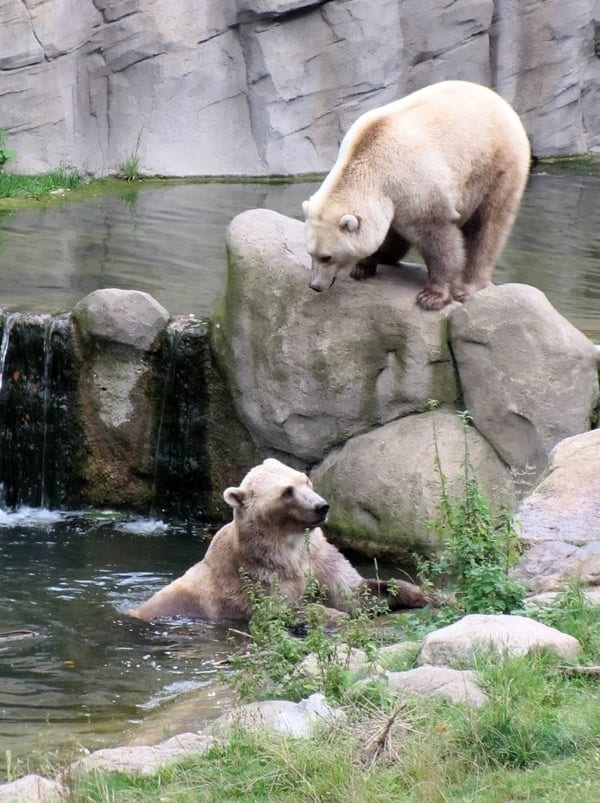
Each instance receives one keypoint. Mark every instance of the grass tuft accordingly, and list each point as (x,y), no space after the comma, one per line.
(13,185)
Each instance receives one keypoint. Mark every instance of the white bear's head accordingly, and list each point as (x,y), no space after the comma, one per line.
(337,238)
(275,496)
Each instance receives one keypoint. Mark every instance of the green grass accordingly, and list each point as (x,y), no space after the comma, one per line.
(13,185)
(536,739)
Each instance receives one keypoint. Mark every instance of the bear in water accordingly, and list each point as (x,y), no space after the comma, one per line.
(275,533)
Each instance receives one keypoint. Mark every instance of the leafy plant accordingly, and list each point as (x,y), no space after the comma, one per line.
(5,153)
(478,547)
(280,638)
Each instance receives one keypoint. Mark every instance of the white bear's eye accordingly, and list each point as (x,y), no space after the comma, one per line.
(288,493)
(325,259)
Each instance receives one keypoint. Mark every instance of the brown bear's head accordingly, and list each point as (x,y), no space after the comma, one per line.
(275,496)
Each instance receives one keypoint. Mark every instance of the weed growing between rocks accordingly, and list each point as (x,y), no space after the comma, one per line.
(5,153)
(272,665)
(130,169)
(571,613)
(477,548)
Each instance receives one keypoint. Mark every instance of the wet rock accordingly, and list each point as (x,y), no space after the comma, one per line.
(118,331)
(529,377)
(500,635)
(450,685)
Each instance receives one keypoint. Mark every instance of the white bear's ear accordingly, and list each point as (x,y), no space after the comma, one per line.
(305,208)
(349,223)
(234,497)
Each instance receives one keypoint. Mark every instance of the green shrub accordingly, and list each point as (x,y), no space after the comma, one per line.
(269,664)
(477,547)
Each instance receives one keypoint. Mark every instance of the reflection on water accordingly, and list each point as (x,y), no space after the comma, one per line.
(170,242)
(89,675)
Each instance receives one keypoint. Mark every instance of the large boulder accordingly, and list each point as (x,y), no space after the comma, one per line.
(308,371)
(529,378)
(93,83)
(384,486)
(560,520)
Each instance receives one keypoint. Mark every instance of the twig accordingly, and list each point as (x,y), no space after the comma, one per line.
(581,670)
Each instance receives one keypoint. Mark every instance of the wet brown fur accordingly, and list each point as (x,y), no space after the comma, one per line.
(272,536)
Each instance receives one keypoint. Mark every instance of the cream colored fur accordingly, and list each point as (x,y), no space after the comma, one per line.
(442,169)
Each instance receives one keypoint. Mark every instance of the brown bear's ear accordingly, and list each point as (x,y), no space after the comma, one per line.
(234,497)
(349,223)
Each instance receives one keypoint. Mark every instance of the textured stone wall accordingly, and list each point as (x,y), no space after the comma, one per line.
(268,86)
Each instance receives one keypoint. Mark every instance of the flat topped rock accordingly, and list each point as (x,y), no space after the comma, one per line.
(128,317)
(496,634)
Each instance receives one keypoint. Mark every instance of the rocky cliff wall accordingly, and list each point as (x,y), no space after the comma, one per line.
(255,87)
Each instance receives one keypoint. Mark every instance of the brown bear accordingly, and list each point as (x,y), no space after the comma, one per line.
(275,533)
(443,170)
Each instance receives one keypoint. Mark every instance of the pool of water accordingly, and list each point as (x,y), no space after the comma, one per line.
(88,676)
(170,242)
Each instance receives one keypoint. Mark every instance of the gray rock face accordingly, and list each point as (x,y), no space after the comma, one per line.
(92,83)
(309,371)
(529,377)
(384,486)
(496,634)
(560,520)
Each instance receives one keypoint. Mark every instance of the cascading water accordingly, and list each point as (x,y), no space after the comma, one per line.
(9,322)
(181,475)
(38,436)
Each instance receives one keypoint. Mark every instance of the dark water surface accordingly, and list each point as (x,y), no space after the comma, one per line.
(170,242)
(90,676)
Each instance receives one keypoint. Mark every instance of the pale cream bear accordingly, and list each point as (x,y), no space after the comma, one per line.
(442,170)
(275,533)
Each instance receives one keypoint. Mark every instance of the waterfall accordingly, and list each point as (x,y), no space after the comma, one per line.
(173,338)
(46,393)
(39,435)
(8,324)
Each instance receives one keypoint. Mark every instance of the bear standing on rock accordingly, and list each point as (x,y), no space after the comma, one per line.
(443,170)
(275,533)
